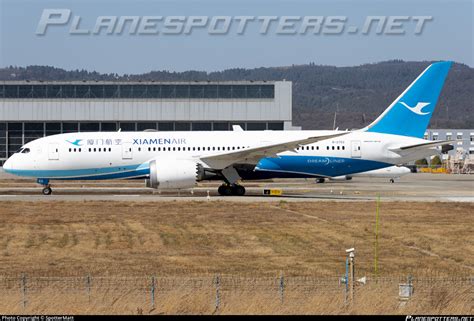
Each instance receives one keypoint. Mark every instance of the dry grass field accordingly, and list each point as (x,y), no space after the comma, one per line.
(185,239)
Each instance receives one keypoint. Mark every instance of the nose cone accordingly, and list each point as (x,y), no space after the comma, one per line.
(405,170)
(7,166)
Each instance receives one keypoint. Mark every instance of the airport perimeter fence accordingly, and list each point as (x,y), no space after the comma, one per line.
(218,290)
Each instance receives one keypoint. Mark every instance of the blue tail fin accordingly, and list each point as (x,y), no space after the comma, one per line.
(411,112)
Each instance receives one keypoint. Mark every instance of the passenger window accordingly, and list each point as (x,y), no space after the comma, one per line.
(70,149)
(139,149)
(159,148)
(110,149)
(338,147)
(79,150)
(95,150)
(90,150)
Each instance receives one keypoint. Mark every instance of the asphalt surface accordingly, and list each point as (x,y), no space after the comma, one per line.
(412,187)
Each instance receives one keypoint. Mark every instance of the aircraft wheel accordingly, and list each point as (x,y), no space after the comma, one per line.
(238,190)
(224,190)
(392,180)
(47,190)
(320,180)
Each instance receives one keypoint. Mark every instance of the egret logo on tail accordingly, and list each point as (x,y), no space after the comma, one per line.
(418,108)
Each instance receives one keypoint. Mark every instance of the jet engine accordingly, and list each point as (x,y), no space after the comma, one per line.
(174,174)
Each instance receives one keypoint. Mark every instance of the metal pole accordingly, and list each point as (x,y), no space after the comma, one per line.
(282,288)
(218,294)
(346,281)
(23,289)
(376,243)
(351,257)
(152,292)
(88,284)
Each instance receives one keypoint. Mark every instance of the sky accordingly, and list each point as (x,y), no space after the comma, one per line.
(448,36)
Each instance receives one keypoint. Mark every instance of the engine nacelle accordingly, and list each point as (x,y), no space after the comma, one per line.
(173,174)
(341,178)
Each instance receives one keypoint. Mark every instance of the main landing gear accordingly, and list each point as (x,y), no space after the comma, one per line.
(228,190)
(47,188)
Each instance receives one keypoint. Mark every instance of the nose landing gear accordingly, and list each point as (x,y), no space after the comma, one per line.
(47,188)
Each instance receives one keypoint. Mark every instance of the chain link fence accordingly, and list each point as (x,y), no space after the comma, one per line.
(218,291)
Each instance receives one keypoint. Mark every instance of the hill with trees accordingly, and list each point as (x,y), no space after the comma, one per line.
(358,94)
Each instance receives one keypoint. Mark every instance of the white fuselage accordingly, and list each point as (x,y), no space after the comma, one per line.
(105,155)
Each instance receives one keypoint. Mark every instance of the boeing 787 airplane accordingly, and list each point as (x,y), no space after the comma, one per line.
(178,160)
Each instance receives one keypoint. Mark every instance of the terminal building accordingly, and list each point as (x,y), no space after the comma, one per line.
(33,109)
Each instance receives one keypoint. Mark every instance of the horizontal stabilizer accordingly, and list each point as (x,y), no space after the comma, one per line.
(405,150)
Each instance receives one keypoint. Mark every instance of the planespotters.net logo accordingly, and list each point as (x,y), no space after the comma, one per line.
(439,318)
(222,25)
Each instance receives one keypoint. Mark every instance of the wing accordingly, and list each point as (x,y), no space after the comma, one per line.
(406,150)
(254,154)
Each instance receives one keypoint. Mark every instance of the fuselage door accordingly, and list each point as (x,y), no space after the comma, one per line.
(355,149)
(53,151)
(127,151)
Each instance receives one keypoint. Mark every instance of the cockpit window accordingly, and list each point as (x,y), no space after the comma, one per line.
(25,151)
(19,151)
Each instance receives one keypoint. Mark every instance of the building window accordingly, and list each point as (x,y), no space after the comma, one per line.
(275,126)
(201,126)
(459,136)
(435,136)
(182,126)
(256,126)
(220,126)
